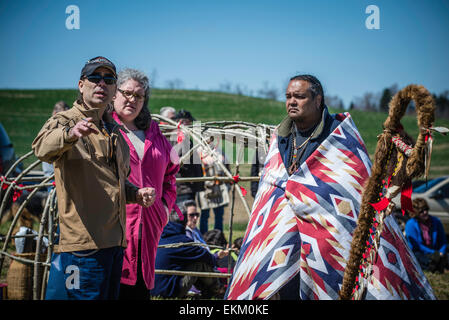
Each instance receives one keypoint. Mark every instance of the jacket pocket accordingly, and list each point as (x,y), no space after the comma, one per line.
(81,150)
(101,150)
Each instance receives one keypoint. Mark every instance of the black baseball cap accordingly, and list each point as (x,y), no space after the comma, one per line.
(95,63)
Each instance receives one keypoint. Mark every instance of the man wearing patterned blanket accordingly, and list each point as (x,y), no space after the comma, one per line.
(306,208)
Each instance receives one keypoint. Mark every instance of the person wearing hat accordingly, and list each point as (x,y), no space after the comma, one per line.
(91,161)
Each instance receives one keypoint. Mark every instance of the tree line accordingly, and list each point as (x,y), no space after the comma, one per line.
(379,101)
(369,101)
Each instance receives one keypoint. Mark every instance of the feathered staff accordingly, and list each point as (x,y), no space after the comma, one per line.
(396,162)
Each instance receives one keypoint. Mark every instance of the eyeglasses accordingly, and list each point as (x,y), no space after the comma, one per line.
(96,78)
(195,214)
(128,95)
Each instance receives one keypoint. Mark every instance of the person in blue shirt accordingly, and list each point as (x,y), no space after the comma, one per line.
(182,258)
(191,210)
(426,237)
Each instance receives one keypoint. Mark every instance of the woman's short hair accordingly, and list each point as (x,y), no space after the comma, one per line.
(418,204)
(166,110)
(174,217)
(60,106)
(143,120)
(186,204)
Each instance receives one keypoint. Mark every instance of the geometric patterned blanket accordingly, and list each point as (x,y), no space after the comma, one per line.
(303,224)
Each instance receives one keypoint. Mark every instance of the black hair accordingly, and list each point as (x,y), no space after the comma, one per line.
(143,119)
(238,243)
(215,237)
(184,114)
(316,89)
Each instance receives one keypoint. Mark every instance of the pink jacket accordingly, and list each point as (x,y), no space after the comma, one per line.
(157,169)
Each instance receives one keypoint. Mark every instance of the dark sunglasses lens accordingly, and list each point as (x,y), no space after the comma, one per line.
(96,78)
(109,80)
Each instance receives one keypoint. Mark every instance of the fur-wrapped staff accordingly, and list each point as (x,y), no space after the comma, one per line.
(397,161)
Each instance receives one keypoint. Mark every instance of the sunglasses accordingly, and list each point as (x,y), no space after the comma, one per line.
(196,214)
(129,95)
(96,78)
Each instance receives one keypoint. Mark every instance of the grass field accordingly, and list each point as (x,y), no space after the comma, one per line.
(23,112)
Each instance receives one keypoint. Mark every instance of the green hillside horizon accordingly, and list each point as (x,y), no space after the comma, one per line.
(23,112)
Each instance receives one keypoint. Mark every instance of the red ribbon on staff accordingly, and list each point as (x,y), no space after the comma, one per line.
(384,202)
(236,180)
(406,198)
(381,205)
(428,135)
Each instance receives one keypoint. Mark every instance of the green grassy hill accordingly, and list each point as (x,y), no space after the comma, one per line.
(23,112)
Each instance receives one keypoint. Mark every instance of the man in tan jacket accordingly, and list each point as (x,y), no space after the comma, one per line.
(91,162)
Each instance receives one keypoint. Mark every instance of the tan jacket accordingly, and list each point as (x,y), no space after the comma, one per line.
(90,177)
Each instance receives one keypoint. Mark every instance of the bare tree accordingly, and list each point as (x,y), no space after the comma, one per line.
(367,102)
(442,104)
(242,90)
(334,102)
(153,77)
(268,92)
(225,87)
(174,84)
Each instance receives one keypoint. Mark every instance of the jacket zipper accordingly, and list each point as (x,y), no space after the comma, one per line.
(112,160)
(118,176)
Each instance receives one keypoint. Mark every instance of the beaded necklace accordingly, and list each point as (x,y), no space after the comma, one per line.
(295,157)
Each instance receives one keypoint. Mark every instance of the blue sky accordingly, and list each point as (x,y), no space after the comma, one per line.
(208,43)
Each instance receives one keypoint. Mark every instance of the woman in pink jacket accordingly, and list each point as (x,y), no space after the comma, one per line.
(153,163)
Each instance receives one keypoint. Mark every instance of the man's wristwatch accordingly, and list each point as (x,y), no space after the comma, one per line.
(67,132)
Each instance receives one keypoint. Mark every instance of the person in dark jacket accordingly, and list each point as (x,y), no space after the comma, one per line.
(182,258)
(191,167)
(426,237)
(256,169)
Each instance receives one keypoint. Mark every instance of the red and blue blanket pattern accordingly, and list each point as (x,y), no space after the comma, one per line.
(303,224)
